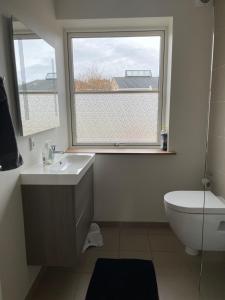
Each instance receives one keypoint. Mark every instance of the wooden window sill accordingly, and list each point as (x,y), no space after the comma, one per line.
(97,150)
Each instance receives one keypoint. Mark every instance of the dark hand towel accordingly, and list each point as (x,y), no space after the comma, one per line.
(10,158)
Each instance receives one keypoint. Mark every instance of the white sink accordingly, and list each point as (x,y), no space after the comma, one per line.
(67,169)
(70,163)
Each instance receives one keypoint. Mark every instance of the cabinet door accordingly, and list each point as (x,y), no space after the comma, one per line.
(82,228)
(84,195)
(83,208)
(50,226)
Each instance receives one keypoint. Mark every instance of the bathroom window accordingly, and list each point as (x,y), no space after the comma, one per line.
(116,85)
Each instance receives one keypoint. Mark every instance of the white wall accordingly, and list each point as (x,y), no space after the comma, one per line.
(15,276)
(131,187)
(127,187)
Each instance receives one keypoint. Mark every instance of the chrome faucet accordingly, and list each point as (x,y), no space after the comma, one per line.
(53,147)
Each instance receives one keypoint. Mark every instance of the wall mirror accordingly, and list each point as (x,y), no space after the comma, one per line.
(36,80)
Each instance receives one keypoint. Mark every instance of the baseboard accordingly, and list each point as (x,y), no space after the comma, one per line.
(132,224)
(35,284)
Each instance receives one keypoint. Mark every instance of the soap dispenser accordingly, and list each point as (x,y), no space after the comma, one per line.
(164,137)
(47,154)
(51,154)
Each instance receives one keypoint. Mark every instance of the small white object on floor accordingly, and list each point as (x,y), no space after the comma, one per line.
(94,237)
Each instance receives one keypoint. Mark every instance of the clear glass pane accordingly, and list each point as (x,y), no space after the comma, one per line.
(116,63)
(213,260)
(213,243)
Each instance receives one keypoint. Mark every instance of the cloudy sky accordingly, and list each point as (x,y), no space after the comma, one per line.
(108,56)
(38,58)
(112,56)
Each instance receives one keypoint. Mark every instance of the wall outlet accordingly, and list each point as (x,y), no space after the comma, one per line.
(31,143)
(200,3)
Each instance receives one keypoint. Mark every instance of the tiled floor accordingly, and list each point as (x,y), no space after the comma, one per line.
(213,276)
(177,273)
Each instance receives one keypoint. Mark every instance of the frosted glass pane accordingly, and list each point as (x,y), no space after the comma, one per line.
(39,112)
(116,117)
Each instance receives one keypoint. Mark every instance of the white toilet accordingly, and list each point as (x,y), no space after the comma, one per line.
(198,219)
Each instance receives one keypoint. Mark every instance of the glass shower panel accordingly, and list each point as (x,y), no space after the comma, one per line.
(212,277)
(212,282)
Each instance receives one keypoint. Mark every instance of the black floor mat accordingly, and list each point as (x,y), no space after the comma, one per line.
(123,279)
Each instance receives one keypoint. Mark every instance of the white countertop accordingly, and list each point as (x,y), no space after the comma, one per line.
(67,169)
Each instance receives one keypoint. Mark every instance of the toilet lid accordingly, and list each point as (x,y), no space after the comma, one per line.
(193,202)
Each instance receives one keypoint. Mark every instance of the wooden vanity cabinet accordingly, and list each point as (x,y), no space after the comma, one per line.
(56,221)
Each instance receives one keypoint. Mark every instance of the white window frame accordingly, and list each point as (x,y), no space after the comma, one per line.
(162,81)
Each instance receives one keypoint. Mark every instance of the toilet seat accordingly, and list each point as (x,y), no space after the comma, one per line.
(192,202)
